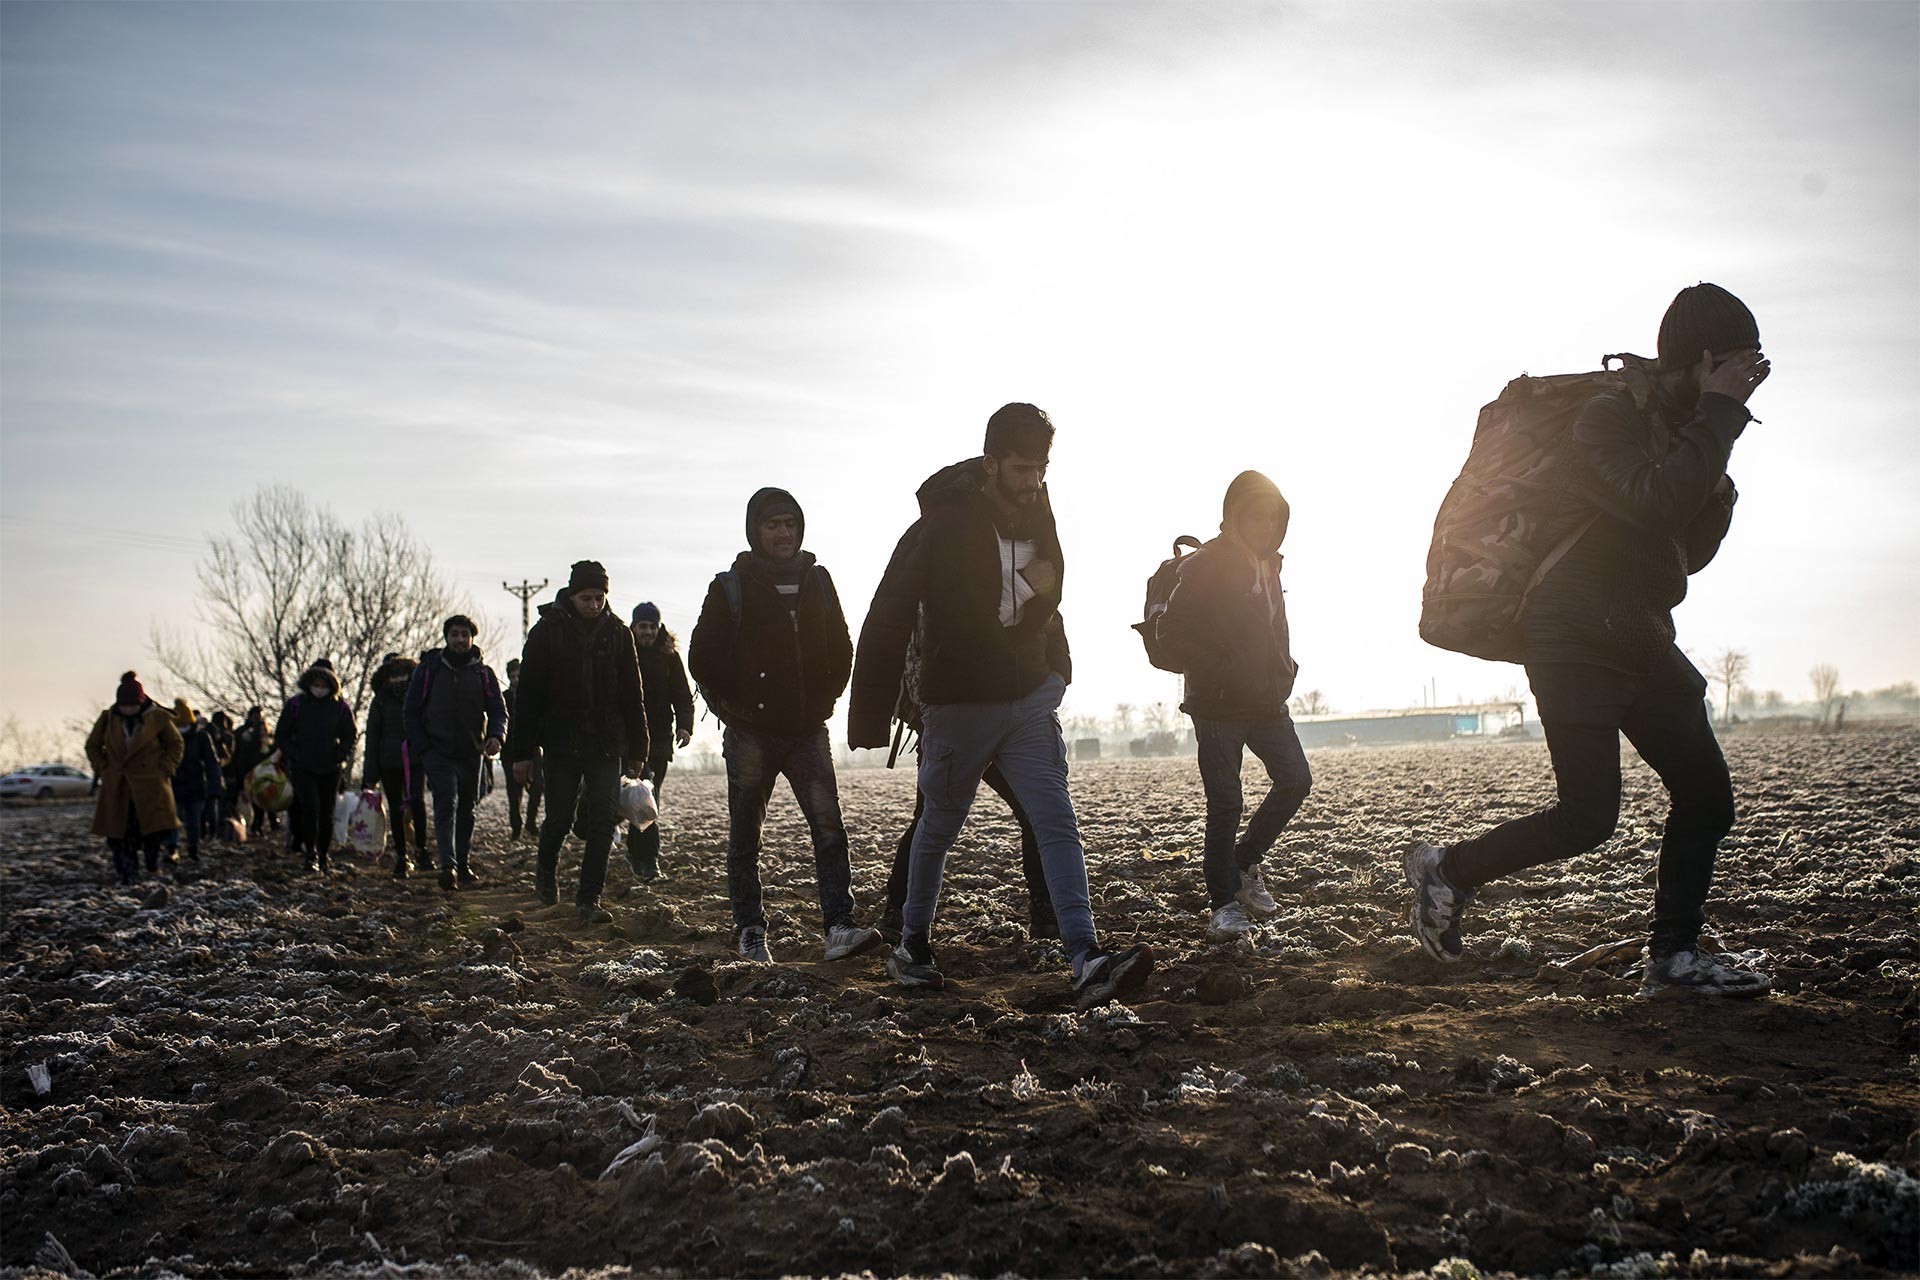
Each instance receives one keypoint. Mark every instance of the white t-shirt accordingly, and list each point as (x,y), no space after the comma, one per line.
(1015,591)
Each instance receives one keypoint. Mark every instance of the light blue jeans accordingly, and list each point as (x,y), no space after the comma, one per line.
(959,741)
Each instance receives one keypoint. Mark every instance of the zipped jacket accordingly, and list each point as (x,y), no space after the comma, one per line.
(771,669)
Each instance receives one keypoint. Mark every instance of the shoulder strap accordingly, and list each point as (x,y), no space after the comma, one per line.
(730,587)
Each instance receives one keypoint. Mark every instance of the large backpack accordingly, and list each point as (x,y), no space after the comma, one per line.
(1506,521)
(1159,590)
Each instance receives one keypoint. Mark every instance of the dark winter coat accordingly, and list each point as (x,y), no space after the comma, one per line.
(663,678)
(453,708)
(945,578)
(134,771)
(1231,648)
(386,735)
(579,692)
(316,735)
(1654,480)
(252,743)
(197,776)
(772,670)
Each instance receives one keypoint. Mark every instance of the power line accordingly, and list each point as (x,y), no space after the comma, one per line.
(526,591)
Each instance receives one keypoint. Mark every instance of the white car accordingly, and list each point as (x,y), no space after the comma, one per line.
(46,782)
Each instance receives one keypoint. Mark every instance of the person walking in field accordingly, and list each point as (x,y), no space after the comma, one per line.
(515,788)
(1600,652)
(1225,628)
(772,655)
(196,779)
(980,577)
(663,679)
(134,749)
(580,718)
(390,764)
(252,743)
(314,742)
(456,721)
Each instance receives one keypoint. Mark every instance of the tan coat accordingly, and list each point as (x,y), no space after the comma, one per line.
(136,770)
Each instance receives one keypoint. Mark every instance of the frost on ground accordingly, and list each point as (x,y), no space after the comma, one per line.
(266,1073)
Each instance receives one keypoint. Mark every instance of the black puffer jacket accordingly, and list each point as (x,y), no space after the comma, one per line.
(453,708)
(579,692)
(1655,478)
(774,671)
(1232,650)
(386,736)
(316,735)
(669,697)
(945,578)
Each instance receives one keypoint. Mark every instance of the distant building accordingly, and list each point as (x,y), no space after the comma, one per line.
(1416,724)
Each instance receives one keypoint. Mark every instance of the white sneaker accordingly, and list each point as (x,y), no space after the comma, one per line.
(1228,922)
(1253,893)
(845,940)
(753,945)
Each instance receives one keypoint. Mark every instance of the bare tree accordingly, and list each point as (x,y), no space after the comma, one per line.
(1311,703)
(293,584)
(1123,719)
(22,745)
(1826,688)
(1158,717)
(1728,669)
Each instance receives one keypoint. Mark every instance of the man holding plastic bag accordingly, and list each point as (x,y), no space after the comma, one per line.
(455,716)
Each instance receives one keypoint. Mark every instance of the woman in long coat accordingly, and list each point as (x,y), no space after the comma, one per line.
(134,749)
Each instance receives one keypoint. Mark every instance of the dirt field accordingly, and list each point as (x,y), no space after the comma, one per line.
(268,1073)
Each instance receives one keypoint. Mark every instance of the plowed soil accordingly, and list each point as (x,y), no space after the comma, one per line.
(272,1073)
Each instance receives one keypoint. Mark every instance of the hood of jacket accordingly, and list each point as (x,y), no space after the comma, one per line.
(754,565)
(761,502)
(966,481)
(1248,487)
(558,608)
(390,669)
(431,656)
(320,675)
(664,642)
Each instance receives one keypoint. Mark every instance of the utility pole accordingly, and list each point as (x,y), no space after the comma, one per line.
(526,591)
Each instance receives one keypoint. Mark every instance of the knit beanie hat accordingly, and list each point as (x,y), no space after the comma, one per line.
(587,575)
(182,713)
(129,694)
(1704,317)
(647,611)
(767,503)
(325,664)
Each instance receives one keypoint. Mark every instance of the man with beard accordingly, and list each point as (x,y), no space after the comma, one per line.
(663,679)
(455,720)
(1598,643)
(980,576)
(772,655)
(579,717)
(1225,627)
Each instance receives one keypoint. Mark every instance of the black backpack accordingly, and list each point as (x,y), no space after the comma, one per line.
(1159,591)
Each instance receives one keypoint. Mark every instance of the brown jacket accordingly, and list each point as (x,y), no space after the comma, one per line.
(136,771)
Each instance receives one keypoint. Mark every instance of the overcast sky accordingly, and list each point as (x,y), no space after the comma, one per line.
(556,281)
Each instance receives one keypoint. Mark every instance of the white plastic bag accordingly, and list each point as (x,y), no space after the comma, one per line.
(367,824)
(342,811)
(637,804)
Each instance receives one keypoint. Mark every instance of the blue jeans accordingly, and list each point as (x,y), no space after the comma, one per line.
(455,785)
(1023,737)
(755,762)
(1222,743)
(592,786)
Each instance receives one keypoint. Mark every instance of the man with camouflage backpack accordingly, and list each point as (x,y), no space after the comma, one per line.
(1641,500)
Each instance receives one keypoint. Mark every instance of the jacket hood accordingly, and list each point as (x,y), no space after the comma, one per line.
(769,500)
(957,481)
(391,668)
(1247,487)
(664,642)
(559,608)
(320,675)
(439,651)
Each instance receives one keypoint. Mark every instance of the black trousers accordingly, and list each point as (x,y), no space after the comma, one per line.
(314,794)
(533,789)
(1039,902)
(403,804)
(1584,710)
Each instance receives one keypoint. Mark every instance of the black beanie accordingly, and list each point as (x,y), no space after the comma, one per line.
(768,503)
(587,575)
(1704,317)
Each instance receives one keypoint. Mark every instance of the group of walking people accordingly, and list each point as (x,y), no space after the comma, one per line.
(963,645)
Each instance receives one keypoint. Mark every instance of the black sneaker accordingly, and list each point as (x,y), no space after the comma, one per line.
(400,868)
(465,878)
(307,865)
(446,879)
(1041,923)
(1695,972)
(1437,905)
(911,964)
(548,894)
(1100,976)
(592,913)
